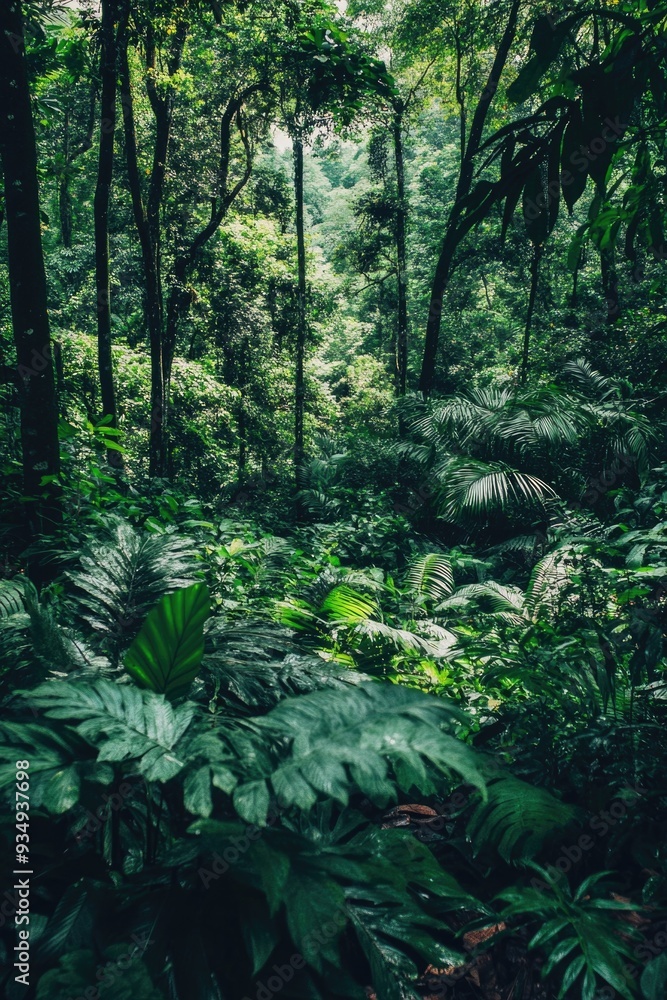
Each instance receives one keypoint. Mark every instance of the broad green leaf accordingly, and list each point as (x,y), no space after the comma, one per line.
(251,801)
(167,653)
(654,978)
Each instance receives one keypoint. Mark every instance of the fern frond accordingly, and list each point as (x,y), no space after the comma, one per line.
(517,819)
(123,575)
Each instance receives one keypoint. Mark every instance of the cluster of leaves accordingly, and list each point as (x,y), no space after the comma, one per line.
(248,758)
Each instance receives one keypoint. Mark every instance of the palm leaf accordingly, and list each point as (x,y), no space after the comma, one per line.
(12,594)
(122,576)
(431,576)
(478,489)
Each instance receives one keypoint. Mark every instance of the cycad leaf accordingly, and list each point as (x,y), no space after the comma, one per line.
(167,653)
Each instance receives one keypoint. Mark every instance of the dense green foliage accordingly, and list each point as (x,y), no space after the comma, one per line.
(332,642)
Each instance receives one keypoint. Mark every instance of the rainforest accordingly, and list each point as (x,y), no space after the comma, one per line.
(333,522)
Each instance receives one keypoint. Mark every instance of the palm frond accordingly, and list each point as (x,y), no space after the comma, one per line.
(12,596)
(343,604)
(247,640)
(248,687)
(474,489)
(430,576)
(585,376)
(437,646)
(490,597)
(546,581)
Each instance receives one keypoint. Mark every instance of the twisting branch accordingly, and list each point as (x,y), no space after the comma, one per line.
(179,299)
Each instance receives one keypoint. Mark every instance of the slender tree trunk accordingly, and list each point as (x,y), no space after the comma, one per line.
(401,254)
(163,112)
(147,220)
(64,196)
(534,278)
(301,321)
(27,279)
(610,284)
(456,227)
(179,298)
(69,156)
(157,451)
(460,93)
(242,421)
(574,296)
(101,217)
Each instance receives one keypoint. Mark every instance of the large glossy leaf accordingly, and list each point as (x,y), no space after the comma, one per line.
(372,739)
(167,653)
(654,978)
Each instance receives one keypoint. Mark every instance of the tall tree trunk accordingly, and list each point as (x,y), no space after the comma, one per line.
(534,278)
(69,156)
(101,217)
(157,450)
(301,321)
(147,221)
(401,253)
(610,284)
(64,196)
(27,278)
(242,419)
(457,226)
(179,298)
